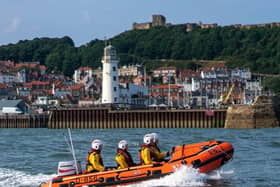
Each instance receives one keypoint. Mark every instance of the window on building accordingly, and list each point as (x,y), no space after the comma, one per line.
(114,68)
(114,78)
(115,99)
(115,89)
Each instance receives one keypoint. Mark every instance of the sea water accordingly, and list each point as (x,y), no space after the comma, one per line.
(30,156)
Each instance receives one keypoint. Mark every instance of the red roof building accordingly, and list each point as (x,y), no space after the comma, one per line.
(141,80)
(165,90)
(38,85)
(78,90)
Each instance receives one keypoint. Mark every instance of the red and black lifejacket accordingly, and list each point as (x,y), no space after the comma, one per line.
(127,156)
(152,154)
(89,153)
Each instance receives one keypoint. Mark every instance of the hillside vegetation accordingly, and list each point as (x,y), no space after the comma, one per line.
(256,48)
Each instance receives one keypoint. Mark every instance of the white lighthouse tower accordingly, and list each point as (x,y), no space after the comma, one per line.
(110,80)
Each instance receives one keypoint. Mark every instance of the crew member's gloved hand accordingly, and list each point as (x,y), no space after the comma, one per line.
(167,154)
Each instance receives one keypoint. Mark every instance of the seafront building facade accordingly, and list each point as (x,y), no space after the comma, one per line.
(129,86)
(204,88)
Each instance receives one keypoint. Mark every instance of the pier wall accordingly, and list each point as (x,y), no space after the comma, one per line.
(263,113)
(24,121)
(105,118)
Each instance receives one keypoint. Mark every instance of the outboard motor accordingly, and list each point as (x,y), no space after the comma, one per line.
(68,168)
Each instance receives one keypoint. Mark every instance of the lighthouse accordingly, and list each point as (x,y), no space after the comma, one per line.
(110,80)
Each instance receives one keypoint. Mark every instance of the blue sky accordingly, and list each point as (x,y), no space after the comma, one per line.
(85,20)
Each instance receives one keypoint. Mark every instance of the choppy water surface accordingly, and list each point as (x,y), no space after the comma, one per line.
(30,156)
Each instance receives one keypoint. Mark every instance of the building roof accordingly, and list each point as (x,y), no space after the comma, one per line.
(9,103)
(41,92)
(26,65)
(8,63)
(40,82)
(77,86)
(166,86)
(187,73)
(31,65)
(166,68)
(85,68)
(42,67)
(204,69)
(3,86)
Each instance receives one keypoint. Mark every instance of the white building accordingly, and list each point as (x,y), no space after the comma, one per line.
(61,91)
(12,107)
(46,100)
(110,80)
(131,70)
(23,91)
(253,88)
(7,78)
(208,74)
(42,100)
(82,75)
(21,76)
(243,73)
(133,94)
(195,84)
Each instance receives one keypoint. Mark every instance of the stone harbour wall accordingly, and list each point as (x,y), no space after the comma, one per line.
(263,113)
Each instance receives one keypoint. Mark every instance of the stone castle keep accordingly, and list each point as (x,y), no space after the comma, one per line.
(158,20)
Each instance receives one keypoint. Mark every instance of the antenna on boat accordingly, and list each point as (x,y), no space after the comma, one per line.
(73,151)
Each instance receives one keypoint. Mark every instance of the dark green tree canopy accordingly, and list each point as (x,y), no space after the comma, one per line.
(257,48)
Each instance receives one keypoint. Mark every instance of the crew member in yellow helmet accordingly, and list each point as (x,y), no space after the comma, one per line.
(146,154)
(123,157)
(94,159)
(158,155)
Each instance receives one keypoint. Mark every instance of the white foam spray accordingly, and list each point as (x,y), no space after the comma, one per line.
(184,176)
(13,178)
(219,174)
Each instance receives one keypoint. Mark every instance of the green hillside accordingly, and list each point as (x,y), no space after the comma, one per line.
(256,48)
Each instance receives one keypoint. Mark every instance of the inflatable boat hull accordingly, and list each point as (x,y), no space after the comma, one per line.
(205,156)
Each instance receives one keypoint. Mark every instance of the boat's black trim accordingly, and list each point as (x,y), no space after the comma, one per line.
(155,176)
(57,180)
(198,165)
(64,185)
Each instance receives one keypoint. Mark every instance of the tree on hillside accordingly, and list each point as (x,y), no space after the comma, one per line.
(54,62)
(71,61)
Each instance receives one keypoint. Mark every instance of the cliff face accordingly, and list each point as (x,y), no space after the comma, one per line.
(263,113)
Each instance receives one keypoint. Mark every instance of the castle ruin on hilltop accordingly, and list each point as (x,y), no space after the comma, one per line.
(160,20)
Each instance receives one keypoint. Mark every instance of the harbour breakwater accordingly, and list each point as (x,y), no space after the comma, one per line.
(24,121)
(106,118)
(263,113)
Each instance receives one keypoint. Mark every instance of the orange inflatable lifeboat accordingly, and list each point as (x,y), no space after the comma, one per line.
(205,156)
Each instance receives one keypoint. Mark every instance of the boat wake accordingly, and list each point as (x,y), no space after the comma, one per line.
(13,178)
(184,177)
